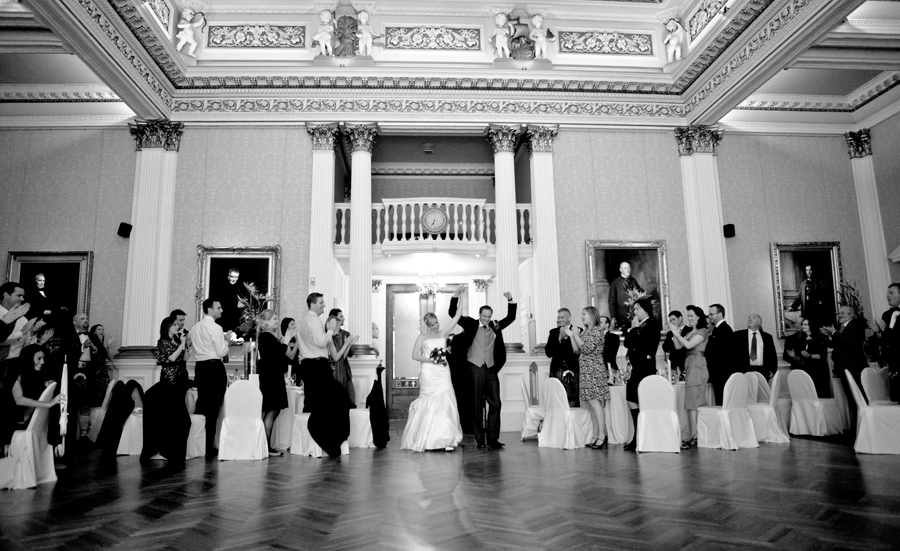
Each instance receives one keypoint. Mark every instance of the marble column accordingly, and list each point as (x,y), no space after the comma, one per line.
(362,140)
(503,140)
(874,247)
(543,230)
(321,235)
(708,259)
(150,244)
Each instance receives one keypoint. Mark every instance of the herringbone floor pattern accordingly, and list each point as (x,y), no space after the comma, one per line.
(810,494)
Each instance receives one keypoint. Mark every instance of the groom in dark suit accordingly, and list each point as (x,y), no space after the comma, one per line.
(486,354)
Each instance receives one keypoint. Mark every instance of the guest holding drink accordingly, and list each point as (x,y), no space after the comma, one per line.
(167,423)
(593,384)
(289,337)
(696,375)
(804,350)
(170,352)
(274,359)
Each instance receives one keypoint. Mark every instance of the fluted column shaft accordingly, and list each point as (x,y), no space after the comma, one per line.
(362,139)
(503,140)
(152,218)
(321,235)
(874,247)
(543,231)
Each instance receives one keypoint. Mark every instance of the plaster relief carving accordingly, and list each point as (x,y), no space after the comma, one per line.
(432,38)
(256,36)
(605,42)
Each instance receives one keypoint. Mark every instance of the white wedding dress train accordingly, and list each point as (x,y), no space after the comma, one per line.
(433,422)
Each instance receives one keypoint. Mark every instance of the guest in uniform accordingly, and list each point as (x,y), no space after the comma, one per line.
(593,387)
(210,346)
(563,356)
(696,374)
(676,355)
(887,333)
(274,360)
(341,366)
(804,350)
(719,351)
(642,341)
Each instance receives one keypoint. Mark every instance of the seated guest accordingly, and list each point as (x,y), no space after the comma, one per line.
(340,365)
(563,356)
(28,383)
(289,338)
(804,350)
(97,336)
(274,359)
(754,349)
(696,374)
(676,355)
(12,311)
(167,422)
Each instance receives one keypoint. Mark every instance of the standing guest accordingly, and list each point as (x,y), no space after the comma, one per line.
(594,389)
(179,316)
(9,320)
(289,338)
(563,356)
(847,342)
(887,332)
(696,374)
(170,353)
(485,353)
(210,345)
(677,356)
(167,423)
(719,351)
(101,378)
(642,341)
(333,324)
(274,360)
(754,349)
(619,297)
(12,305)
(610,344)
(804,350)
(80,354)
(342,372)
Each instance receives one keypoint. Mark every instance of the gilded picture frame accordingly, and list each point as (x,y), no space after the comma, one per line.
(790,262)
(68,276)
(258,265)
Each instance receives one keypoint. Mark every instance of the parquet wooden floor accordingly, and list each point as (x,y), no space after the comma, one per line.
(811,494)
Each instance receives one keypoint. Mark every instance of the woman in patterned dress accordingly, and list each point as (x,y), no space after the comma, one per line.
(170,356)
(696,375)
(594,387)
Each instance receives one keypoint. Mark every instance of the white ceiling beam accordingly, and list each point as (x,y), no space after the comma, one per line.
(847,58)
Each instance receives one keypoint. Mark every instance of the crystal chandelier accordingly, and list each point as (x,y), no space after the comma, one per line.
(428,287)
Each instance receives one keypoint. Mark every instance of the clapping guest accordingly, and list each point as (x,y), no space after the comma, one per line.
(696,374)
(676,355)
(563,356)
(340,365)
(804,350)
(593,383)
(289,338)
(887,333)
(274,361)
(333,324)
(642,341)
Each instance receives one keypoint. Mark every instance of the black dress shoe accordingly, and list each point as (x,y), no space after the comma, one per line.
(495,445)
(479,445)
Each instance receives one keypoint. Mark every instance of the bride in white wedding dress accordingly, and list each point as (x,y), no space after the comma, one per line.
(433,422)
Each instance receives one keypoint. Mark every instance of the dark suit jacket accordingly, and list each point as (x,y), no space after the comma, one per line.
(848,352)
(611,349)
(560,353)
(742,353)
(618,294)
(719,352)
(470,327)
(642,343)
(890,341)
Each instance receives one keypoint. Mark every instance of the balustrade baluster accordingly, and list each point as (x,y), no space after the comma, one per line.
(465,223)
(344,223)
(521,215)
(403,229)
(393,235)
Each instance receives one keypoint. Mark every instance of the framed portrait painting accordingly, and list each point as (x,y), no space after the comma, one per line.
(66,280)
(807,278)
(230,273)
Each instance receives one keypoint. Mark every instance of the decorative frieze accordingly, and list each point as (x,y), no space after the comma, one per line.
(161,133)
(605,42)
(697,139)
(859,143)
(362,136)
(427,172)
(432,38)
(540,138)
(162,10)
(256,36)
(50,93)
(502,137)
(323,136)
(704,14)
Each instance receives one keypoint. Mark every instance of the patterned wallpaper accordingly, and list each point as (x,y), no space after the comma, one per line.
(243,187)
(618,185)
(785,188)
(885,138)
(387,188)
(67,190)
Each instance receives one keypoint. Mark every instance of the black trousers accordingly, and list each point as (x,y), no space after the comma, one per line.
(211,382)
(485,391)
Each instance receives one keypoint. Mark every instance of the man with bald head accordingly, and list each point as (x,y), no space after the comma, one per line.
(618,296)
(754,349)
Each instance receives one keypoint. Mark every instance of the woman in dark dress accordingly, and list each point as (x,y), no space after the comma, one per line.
(167,422)
(289,337)
(29,383)
(642,341)
(803,350)
(274,358)
(100,378)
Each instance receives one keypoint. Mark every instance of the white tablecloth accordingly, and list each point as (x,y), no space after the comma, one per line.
(620,425)
(283,429)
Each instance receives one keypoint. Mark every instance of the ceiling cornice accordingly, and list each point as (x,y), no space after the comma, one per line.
(57,93)
(824,104)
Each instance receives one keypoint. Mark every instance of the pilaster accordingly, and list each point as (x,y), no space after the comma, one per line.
(321,242)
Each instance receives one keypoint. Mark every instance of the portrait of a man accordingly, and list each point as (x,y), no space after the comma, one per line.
(807,286)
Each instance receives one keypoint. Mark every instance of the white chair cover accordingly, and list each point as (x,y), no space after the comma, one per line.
(763,395)
(875,387)
(728,427)
(534,415)
(658,427)
(132,440)
(30,460)
(196,442)
(752,387)
(562,428)
(243,435)
(360,429)
(878,427)
(303,444)
(767,422)
(619,423)
(810,414)
(98,414)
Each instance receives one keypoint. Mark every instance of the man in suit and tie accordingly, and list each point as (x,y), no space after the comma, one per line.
(618,296)
(677,356)
(719,351)
(847,341)
(486,354)
(755,349)
(610,344)
(887,331)
(562,357)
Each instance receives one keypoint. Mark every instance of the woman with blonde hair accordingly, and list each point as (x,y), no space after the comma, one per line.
(593,386)
(273,361)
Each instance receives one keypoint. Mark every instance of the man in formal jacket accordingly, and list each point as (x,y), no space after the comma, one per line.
(562,357)
(618,295)
(610,343)
(887,332)
(847,341)
(755,349)
(642,341)
(719,351)
(677,356)
(812,300)
(486,354)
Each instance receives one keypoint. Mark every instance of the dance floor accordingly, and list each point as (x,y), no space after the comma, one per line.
(811,494)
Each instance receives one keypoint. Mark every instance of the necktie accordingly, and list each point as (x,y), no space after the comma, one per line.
(753,348)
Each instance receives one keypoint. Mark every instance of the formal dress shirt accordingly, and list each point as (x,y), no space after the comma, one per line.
(208,340)
(15,340)
(894,318)
(759,347)
(85,350)
(482,350)
(313,341)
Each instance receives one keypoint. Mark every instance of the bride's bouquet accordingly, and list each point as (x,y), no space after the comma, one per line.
(438,356)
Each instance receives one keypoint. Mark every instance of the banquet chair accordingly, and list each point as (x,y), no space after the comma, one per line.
(534,415)
(360,430)
(196,442)
(302,443)
(97,414)
(562,427)
(243,435)
(132,440)
(752,387)
(764,394)
(875,387)
(659,429)
(878,426)
(810,414)
(727,426)
(767,421)
(30,460)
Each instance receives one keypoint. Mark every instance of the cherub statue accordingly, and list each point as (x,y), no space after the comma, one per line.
(186,30)
(674,39)
(365,33)
(500,36)
(540,37)
(325,33)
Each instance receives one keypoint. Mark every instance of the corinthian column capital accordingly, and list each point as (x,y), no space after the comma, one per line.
(859,143)
(323,136)
(161,133)
(697,139)
(502,137)
(362,136)
(540,138)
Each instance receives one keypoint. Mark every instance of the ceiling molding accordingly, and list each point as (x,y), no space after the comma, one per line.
(819,57)
(823,104)
(56,121)
(56,93)
(782,128)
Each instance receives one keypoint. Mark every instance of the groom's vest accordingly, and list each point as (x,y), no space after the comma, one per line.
(482,350)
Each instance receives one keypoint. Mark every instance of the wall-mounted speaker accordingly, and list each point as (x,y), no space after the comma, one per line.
(728,230)
(124,230)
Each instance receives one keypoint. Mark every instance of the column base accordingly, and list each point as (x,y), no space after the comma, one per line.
(364,350)
(135,352)
(514,348)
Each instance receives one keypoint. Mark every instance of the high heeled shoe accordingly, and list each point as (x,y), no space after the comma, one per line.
(591,444)
(601,445)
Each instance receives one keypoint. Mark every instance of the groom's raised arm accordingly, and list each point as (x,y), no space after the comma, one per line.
(453,304)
